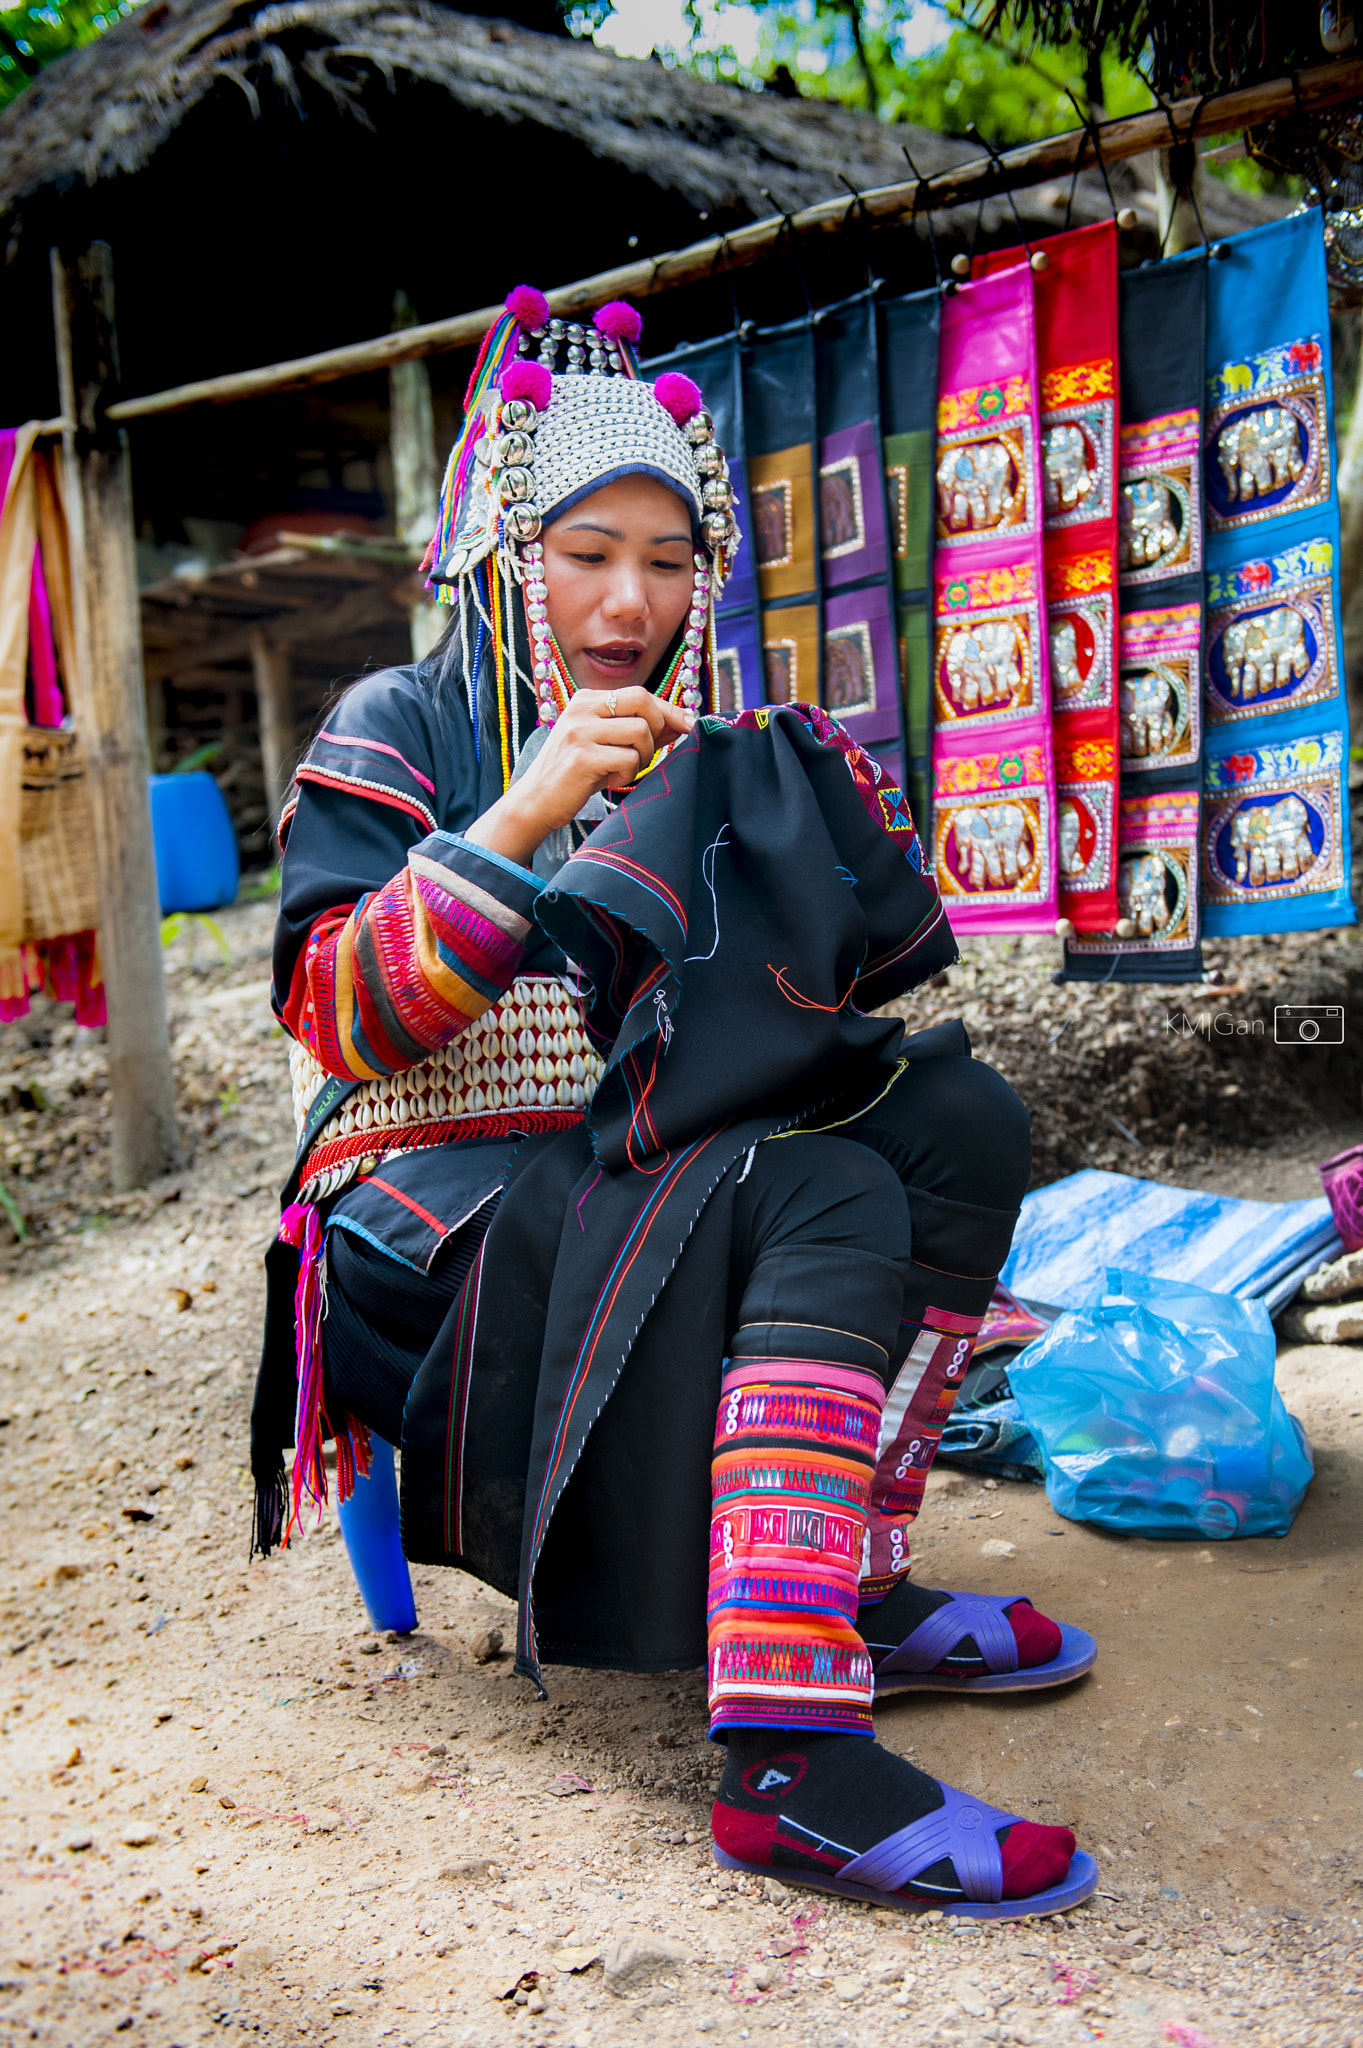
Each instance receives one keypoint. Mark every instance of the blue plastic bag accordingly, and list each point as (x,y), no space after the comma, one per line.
(1156,1413)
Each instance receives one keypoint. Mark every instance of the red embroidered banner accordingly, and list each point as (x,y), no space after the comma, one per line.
(1076,336)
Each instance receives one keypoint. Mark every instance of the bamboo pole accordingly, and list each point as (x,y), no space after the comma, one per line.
(964,184)
(111,718)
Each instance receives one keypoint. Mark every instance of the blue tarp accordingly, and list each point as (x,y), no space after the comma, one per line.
(1071,1232)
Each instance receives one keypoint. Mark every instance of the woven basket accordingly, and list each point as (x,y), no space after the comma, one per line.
(56,839)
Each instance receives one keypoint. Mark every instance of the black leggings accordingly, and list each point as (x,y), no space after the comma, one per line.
(938,1205)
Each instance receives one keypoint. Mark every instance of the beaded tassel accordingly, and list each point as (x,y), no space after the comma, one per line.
(554,685)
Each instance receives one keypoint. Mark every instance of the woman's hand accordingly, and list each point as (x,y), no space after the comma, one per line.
(602,739)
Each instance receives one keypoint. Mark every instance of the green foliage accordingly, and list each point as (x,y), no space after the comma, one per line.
(200,757)
(31,37)
(262,888)
(13,1214)
(869,54)
(180,920)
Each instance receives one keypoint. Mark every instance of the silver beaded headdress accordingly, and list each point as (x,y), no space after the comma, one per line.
(554,411)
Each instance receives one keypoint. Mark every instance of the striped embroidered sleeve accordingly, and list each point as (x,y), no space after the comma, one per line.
(383,986)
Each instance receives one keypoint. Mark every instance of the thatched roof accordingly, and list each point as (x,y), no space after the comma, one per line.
(105,111)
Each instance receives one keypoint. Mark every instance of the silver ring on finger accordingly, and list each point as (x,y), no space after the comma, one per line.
(610,703)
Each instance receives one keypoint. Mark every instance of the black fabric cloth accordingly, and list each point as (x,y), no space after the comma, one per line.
(737,918)
(621,1578)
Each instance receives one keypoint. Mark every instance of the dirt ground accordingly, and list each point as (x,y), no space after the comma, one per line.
(227,1805)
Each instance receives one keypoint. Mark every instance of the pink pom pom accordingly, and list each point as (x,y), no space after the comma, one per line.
(528,380)
(678,395)
(527,306)
(619,322)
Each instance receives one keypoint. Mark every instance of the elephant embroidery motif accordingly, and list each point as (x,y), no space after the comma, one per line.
(977,486)
(993,844)
(1263,651)
(1071,860)
(1068,479)
(1149,714)
(1067,678)
(1148,530)
(1260,452)
(1271,842)
(983,665)
(1142,893)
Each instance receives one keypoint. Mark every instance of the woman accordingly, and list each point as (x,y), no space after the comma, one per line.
(658,1253)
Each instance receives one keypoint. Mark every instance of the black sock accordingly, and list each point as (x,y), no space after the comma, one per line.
(886,1624)
(807,1802)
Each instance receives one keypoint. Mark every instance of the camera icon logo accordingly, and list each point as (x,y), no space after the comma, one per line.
(1309,1024)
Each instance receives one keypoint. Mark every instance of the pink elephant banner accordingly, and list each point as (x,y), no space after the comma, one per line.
(993,768)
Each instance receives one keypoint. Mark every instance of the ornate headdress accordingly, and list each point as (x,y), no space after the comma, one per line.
(554,411)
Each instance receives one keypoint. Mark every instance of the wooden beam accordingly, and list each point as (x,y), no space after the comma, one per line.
(1058,156)
(321,624)
(111,717)
(274,703)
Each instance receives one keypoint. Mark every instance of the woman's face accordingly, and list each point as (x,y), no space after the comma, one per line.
(618,572)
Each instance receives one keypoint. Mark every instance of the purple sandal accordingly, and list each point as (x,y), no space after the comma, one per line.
(963,1829)
(912,1667)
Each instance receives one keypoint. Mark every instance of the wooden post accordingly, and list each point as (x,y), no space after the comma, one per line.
(111,717)
(416,469)
(274,703)
(1178,186)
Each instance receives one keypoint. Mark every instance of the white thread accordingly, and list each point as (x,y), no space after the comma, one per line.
(752,1154)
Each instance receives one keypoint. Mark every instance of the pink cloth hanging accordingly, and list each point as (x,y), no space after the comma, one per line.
(994,829)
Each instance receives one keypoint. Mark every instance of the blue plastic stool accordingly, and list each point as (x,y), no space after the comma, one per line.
(373,1541)
(195,846)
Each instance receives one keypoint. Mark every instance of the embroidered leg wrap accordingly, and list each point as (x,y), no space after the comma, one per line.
(794,1446)
(943,1309)
(824,1225)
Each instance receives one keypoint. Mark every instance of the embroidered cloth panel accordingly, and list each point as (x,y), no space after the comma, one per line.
(1076,339)
(994,829)
(852,538)
(909,336)
(739,678)
(1275,839)
(781,437)
(1160,550)
(1157,841)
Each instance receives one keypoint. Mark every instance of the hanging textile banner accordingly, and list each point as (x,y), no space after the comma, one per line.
(48,878)
(909,333)
(1076,338)
(1275,841)
(1162,320)
(781,433)
(715,366)
(994,827)
(860,658)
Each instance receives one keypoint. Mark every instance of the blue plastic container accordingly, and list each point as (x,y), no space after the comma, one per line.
(373,1541)
(196,848)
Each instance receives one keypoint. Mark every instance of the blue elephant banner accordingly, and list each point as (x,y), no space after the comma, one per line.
(1275,838)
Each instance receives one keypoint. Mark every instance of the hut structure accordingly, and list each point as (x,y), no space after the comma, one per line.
(276,179)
